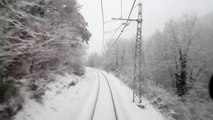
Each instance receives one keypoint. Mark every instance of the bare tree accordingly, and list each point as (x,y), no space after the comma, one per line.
(179,35)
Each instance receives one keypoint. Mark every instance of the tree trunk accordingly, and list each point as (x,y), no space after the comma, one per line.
(181,84)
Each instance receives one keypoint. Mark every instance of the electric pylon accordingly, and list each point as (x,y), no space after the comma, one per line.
(139,56)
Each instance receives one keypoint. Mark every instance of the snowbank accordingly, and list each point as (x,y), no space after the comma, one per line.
(127,109)
(61,101)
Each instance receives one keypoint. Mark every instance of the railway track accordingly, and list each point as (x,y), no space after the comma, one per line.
(98,95)
(96,99)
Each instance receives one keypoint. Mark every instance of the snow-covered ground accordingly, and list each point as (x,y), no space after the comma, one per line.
(126,108)
(78,102)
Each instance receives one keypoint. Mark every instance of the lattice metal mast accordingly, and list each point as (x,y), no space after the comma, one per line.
(138,77)
(138,58)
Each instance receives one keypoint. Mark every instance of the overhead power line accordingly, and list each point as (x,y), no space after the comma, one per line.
(112,30)
(126,24)
(102,11)
(115,31)
(120,25)
(109,21)
(123,14)
(121,9)
(131,9)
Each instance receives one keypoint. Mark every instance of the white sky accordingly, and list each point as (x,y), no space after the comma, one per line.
(155,14)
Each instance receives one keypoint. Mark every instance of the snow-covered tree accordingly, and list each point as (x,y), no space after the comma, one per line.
(179,58)
(41,30)
(37,36)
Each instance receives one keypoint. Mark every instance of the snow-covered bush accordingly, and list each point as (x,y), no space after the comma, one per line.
(174,108)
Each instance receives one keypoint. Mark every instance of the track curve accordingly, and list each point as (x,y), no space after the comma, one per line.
(93,112)
(98,96)
(113,101)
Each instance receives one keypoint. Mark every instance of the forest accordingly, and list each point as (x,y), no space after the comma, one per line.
(43,47)
(176,68)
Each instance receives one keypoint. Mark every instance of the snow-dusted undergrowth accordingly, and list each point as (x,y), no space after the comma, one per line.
(62,99)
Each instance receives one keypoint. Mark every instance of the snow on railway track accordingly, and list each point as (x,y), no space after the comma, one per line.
(105,108)
(97,96)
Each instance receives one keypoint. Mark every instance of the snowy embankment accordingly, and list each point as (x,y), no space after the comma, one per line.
(126,108)
(60,101)
(66,102)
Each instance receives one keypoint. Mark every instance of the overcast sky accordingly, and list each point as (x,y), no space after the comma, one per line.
(155,14)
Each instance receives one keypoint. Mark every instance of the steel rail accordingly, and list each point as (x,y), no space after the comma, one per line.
(97,94)
(113,100)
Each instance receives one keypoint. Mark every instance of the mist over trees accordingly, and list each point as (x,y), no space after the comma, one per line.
(179,51)
(118,59)
(178,66)
(38,36)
